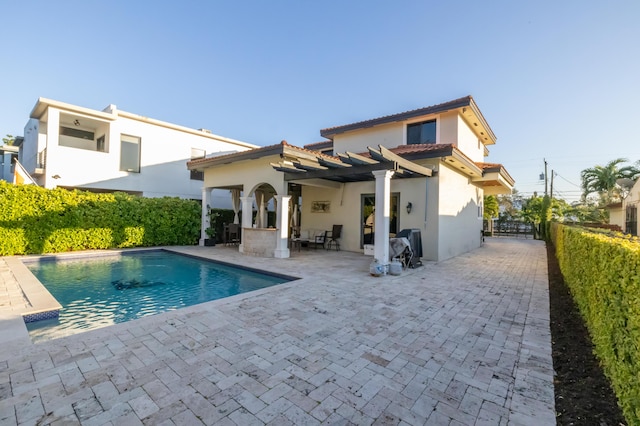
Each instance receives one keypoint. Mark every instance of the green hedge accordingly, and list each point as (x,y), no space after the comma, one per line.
(35,220)
(602,271)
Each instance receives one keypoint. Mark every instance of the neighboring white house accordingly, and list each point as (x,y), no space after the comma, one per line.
(8,153)
(625,213)
(422,169)
(112,150)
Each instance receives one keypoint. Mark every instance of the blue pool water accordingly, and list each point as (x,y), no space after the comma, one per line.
(96,292)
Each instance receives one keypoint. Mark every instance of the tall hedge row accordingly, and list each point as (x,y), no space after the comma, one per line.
(603,273)
(35,220)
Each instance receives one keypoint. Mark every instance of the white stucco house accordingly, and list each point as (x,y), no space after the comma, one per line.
(625,213)
(112,150)
(423,169)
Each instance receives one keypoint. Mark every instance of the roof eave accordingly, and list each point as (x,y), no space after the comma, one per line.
(43,104)
(434,109)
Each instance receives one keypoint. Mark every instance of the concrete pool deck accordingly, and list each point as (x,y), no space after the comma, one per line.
(464,341)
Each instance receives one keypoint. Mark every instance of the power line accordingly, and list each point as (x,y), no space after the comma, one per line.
(563,178)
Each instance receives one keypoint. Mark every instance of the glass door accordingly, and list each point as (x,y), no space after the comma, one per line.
(367,214)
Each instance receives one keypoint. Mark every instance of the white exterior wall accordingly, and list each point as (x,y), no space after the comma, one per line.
(460,222)
(249,174)
(388,135)
(618,216)
(56,160)
(468,142)
(448,128)
(31,145)
(164,152)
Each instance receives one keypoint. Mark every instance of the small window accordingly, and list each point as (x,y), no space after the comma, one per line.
(421,133)
(129,154)
(76,133)
(195,154)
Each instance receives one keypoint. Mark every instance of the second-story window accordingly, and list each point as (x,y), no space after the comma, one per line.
(129,153)
(423,132)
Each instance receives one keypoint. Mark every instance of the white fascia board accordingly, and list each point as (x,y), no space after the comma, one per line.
(43,104)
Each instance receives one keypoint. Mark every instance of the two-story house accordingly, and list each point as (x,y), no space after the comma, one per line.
(422,169)
(112,150)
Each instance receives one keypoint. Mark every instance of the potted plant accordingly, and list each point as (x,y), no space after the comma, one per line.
(211,233)
(211,230)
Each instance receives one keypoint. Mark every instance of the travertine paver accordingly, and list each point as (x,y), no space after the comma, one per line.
(464,341)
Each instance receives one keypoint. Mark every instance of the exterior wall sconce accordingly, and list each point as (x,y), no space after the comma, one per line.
(409,207)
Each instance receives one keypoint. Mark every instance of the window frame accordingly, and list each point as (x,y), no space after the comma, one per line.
(410,126)
(139,144)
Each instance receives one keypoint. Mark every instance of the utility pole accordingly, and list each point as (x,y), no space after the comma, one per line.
(545,177)
(551,193)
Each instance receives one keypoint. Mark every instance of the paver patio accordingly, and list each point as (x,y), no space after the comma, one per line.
(460,342)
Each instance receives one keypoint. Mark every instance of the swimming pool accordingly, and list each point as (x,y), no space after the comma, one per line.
(96,292)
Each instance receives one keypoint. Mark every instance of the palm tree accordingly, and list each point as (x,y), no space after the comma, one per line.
(602,180)
(491,207)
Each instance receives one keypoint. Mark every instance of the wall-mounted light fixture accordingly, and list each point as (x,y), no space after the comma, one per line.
(409,207)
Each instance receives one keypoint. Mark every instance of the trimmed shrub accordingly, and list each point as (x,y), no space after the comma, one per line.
(602,270)
(35,220)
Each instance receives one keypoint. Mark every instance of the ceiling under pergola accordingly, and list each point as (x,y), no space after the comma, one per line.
(349,167)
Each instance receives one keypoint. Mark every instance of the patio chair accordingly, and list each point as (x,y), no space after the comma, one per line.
(319,240)
(233,234)
(334,236)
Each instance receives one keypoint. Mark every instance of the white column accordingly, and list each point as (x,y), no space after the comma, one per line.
(282,226)
(204,220)
(383,206)
(247,209)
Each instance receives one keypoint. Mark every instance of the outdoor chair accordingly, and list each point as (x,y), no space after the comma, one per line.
(298,238)
(319,240)
(334,236)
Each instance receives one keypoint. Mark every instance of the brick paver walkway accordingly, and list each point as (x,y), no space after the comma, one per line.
(460,342)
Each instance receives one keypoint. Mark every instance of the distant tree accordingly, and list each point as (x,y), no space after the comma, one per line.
(491,207)
(587,211)
(9,140)
(510,206)
(602,180)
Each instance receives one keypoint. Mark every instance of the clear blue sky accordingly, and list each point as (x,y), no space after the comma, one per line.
(555,79)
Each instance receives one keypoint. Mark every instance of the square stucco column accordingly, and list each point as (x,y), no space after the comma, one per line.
(383,206)
(282,226)
(247,209)
(204,221)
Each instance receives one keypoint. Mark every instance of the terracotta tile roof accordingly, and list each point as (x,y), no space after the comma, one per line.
(495,167)
(256,153)
(319,145)
(487,166)
(445,106)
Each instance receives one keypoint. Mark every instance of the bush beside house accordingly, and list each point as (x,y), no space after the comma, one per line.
(35,220)
(603,273)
